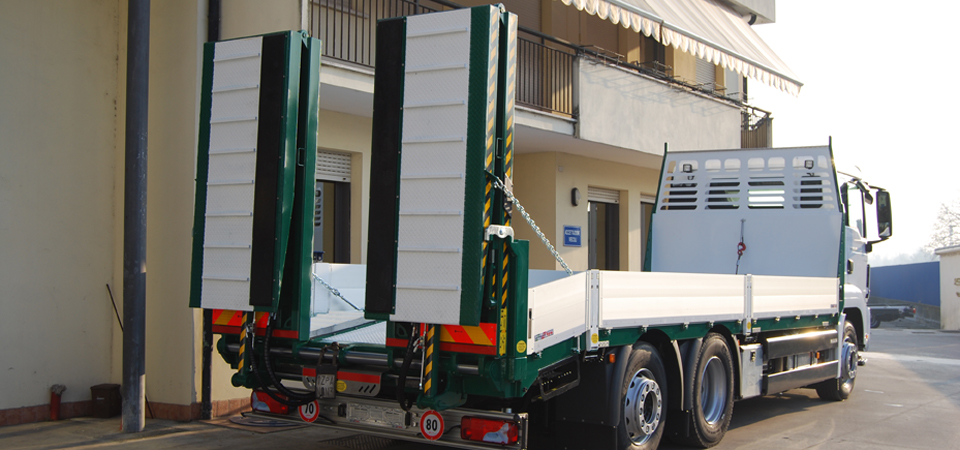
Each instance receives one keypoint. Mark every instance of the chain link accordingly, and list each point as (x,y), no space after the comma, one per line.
(523,212)
(335,292)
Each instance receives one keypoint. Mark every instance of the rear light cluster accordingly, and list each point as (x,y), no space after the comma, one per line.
(489,430)
(261,401)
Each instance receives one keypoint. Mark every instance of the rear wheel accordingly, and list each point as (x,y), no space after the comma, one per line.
(712,393)
(643,399)
(841,388)
(874,322)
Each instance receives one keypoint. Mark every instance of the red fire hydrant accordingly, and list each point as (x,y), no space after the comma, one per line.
(55,392)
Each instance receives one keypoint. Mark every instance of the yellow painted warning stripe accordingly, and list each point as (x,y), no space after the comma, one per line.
(510,96)
(428,356)
(243,344)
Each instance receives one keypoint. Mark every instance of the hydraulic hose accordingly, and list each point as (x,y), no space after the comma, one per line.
(402,379)
(296,396)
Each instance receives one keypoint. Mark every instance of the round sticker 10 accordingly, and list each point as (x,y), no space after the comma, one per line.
(431,425)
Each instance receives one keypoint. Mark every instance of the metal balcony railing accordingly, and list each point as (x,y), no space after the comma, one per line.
(545,78)
(756,129)
(347,29)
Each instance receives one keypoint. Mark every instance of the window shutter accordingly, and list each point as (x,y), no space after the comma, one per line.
(602,195)
(333,166)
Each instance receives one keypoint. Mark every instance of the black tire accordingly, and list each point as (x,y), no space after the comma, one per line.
(643,400)
(841,388)
(874,322)
(712,393)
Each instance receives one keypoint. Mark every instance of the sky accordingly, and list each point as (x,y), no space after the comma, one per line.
(878,77)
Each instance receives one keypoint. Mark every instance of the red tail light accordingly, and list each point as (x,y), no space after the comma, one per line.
(488,430)
(262,402)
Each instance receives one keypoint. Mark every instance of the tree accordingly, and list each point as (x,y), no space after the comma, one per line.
(946,230)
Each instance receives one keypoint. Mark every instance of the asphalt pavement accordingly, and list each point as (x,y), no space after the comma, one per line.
(906,397)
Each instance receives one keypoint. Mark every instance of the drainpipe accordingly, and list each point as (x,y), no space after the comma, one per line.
(206,403)
(135,215)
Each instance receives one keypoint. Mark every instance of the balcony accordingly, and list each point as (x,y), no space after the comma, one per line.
(563,82)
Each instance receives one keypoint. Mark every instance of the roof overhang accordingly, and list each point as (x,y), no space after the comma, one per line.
(704,28)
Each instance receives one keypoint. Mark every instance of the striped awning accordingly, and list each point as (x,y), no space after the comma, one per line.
(704,28)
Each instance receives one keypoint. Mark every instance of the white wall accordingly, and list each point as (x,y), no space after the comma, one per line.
(621,108)
(949,288)
(61,194)
(58,103)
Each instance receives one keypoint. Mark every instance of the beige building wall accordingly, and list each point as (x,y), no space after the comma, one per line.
(62,107)
(241,18)
(949,288)
(543,184)
(351,134)
(58,162)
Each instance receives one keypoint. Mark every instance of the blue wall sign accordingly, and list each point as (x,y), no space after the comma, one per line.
(571,236)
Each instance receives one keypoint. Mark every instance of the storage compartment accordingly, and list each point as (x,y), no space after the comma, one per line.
(106,400)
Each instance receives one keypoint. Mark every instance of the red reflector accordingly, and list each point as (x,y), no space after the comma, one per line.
(487,430)
(261,401)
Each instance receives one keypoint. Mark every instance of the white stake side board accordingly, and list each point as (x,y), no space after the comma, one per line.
(432,168)
(231,176)
(561,309)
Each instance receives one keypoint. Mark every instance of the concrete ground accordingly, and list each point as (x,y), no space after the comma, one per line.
(906,397)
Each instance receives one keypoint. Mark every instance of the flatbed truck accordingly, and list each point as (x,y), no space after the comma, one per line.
(754,283)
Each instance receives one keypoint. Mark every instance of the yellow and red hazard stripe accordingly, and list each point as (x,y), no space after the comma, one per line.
(227,321)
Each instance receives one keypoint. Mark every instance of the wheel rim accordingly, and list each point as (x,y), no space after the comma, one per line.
(713,390)
(850,358)
(642,406)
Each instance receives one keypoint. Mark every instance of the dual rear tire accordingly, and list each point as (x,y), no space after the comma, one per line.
(644,404)
(643,399)
(712,394)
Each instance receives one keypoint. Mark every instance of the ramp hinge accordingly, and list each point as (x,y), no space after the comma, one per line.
(499,231)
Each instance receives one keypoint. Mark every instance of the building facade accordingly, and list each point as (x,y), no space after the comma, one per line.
(597,102)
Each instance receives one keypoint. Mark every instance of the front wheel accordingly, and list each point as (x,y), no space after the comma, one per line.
(874,322)
(841,388)
(643,399)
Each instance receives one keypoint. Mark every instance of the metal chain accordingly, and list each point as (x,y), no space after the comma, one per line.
(335,292)
(523,212)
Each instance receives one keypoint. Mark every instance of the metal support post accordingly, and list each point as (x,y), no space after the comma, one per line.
(135,215)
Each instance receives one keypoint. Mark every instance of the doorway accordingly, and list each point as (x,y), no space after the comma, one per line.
(331,214)
(603,231)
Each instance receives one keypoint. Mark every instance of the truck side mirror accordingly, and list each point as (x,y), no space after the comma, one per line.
(884,215)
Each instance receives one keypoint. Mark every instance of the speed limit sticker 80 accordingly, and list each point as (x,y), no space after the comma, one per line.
(431,425)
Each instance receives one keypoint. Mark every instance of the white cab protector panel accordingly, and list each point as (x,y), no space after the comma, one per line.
(558,311)
(783,202)
(632,299)
(228,233)
(794,296)
(432,168)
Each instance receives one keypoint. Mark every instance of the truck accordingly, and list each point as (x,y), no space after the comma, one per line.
(879,314)
(755,280)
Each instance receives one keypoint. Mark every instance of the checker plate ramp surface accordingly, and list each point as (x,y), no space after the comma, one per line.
(228,233)
(433,166)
